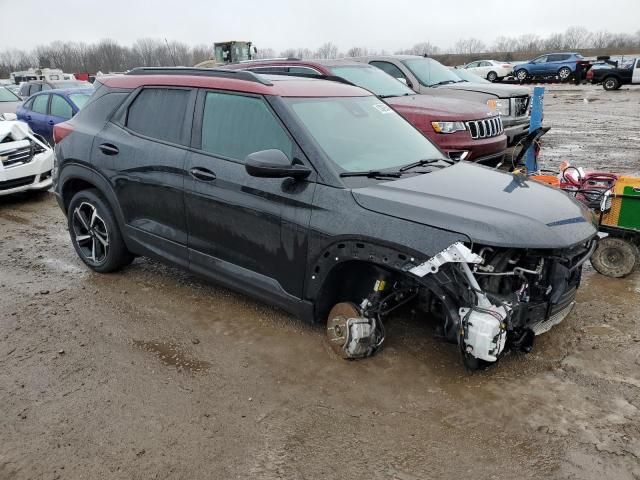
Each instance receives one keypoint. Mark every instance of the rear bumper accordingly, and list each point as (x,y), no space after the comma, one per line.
(35,175)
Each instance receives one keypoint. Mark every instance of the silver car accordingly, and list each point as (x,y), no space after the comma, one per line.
(428,76)
(9,101)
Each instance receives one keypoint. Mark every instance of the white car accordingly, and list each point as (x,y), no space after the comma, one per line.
(492,70)
(26,161)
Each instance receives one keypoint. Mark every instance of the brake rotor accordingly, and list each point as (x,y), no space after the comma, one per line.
(337,325)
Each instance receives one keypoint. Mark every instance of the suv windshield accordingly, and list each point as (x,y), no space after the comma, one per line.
(429,72)
(7,95)
(362,133)
(373,79)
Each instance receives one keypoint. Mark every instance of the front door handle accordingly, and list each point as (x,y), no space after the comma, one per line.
(109,149)
(51,122)
(28,117)
(202,174)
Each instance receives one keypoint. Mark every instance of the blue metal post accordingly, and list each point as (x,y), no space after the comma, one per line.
(537,106)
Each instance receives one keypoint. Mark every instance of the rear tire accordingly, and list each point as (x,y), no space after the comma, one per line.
(492,76)
(615,257)
(611,83)
(564,73)
(95,234)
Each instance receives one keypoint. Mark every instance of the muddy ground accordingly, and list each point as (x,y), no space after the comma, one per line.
(152,373)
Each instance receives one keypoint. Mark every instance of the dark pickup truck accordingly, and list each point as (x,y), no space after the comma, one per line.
(612,77)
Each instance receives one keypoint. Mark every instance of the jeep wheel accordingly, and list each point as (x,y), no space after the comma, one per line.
(564,73)
(522,75)
(611,83)
(95,234)
(492,76)
(615,257)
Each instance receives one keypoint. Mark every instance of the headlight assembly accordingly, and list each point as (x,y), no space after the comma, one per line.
(500,105)
(448,127)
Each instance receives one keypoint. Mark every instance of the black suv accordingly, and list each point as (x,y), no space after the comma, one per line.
(316,196)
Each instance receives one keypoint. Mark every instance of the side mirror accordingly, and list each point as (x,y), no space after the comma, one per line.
(274,164)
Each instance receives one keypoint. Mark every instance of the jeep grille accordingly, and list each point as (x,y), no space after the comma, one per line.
(490,127)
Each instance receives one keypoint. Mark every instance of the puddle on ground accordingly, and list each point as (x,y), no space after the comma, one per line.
(171,355)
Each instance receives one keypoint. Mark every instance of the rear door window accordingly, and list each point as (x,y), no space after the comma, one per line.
(40,104)
(60,107)
(160,113)
(390,68)
(233,126)
(304,70)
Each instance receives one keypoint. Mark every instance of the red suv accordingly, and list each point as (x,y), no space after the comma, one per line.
(464,130)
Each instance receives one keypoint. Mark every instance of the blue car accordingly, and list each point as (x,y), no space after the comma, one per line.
(45,109)
(549,64)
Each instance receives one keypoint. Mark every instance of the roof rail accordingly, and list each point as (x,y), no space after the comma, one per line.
(201,72)
(256,60)
(317,76)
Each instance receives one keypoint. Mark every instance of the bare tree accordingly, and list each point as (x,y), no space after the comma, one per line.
(327,50)
(555,41)
(600,39)
(423,48)
(528,42)
(504,44)
(577,37)
(265,53)
(469,46)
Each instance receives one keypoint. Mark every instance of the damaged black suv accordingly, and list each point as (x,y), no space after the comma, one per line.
(319,198)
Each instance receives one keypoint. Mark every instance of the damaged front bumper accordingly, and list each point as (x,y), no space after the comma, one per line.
(499,299)
(26,162)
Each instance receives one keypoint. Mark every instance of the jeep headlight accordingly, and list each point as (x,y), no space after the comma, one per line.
(500,105)
(448,127)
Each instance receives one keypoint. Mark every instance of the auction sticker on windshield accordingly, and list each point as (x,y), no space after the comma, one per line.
(382,108)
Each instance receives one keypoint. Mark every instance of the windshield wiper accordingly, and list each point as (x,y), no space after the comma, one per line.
(372,174)
(422,163)
(444,82)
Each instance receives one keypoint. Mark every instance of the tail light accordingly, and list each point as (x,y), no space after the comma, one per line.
(61,130)
(590,74)
(506,65)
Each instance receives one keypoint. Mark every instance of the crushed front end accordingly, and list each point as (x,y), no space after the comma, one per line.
(492,300)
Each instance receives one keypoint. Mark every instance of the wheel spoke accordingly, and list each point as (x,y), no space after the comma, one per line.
(94,216)
(102,238)
(80,216)
(82,238)
(93,250)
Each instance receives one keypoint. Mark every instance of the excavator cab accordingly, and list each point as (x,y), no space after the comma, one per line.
(232,52)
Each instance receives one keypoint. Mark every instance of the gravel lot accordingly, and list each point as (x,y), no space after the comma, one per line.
(152,373)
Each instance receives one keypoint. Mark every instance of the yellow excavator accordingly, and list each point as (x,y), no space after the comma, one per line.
(229,52)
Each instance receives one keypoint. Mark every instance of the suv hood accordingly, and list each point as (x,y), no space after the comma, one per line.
(488,206)
(501,91)
(440,108)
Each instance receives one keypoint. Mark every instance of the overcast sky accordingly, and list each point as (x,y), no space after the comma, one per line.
(380,24)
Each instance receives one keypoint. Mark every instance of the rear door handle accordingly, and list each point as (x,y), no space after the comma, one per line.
(51,122)
(202,174)
(109,149)
(28,117)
